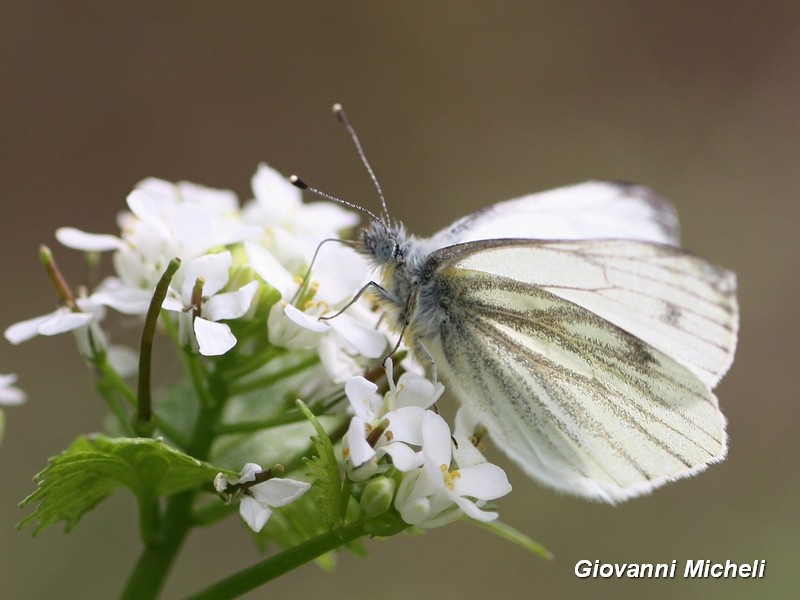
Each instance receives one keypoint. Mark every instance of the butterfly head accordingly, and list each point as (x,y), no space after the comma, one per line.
(384,244)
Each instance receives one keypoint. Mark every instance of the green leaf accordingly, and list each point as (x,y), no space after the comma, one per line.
(82,476)
(325,473)
(512,535)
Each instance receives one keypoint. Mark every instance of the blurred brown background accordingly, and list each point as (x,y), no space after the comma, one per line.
(459,105)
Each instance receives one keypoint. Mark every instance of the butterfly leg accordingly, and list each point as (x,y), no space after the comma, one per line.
(382,291)
(434,371)
(303,283)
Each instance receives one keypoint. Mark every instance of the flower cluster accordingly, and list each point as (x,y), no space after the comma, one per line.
(228,253)
(442,475)
(243,292)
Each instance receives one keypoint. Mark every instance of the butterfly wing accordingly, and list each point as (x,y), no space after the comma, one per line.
(579,401)
(590,210)
(674,301)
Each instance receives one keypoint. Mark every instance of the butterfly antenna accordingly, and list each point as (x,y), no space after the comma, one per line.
(339,112)
(299,183)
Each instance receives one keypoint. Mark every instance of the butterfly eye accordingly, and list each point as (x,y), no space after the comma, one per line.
(385,249)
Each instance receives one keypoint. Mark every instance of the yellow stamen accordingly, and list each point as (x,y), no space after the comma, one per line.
(449,476)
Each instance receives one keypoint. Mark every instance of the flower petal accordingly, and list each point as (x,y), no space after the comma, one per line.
(254,513)
(193,229)
(340,271)
(360,450)
(364,338)
(230,305)
(64,321)
(285,333)
(25,330)
(248,473)
(274,192)
(413,390)
(304,320)
(213,338)
(435,443)
(359,391)
(214,268)
(89,242)
(333,217)
(269,269)
(406,424)
(404,458)
(484,482)
(338,364)
(10,395)
(467,455)
(122,298)
(146,207)
(173,303)
(473,512)
(278,492)
(214,201)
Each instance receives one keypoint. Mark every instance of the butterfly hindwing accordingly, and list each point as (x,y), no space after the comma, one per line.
(579,403)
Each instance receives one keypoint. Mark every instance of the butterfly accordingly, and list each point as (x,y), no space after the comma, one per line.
(575,328)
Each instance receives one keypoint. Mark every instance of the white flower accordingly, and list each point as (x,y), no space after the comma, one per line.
(403,407)
(167,220)
(9,394)
(339,273)
(439,492)
(198,326)
(84,324)
(184,220)
(411,389)
(257,501)
(292,229)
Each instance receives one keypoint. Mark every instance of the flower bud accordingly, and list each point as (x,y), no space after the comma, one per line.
(377,496)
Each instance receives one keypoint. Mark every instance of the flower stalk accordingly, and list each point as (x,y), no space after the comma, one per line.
(144,414)
(57,278)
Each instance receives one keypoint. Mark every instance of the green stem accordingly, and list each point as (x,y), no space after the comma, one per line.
(110,393)
(110,379)
(57,278)
(286,417)
(144,410)
(149,520)
(274,566)
(159,554)
(199,377)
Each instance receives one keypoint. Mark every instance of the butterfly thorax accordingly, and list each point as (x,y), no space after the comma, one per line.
(401,260)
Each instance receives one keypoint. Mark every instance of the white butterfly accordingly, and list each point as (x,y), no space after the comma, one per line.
(575,327)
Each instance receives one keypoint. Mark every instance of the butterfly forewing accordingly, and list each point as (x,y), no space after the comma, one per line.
(590,210)
(673,301)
